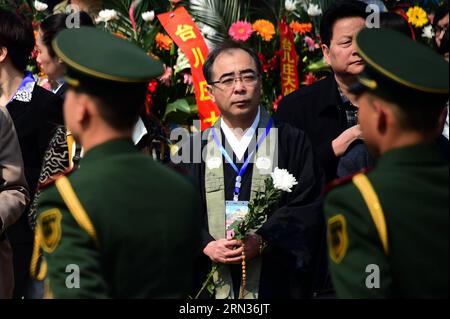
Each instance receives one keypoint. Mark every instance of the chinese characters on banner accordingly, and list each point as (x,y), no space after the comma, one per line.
(185,33)
(289,60)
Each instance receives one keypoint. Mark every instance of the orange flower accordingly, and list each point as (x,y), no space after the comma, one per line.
(120,35)
(300,28)
(163,42)
(264,29)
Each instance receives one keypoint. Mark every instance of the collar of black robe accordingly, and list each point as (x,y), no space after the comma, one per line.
(25,90)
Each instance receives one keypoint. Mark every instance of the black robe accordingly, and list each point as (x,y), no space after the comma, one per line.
(293,231)
(35,122)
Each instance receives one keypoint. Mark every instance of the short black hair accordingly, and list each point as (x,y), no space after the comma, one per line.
(227,46)
(339,10)
(395,21)
(119,104)
(421,114)
(52,25)
(17,36)
(415,110)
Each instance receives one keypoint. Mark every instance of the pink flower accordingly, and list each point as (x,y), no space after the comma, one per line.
(240,31)
(310,43)
(166,77)
(187,79)
(276,102)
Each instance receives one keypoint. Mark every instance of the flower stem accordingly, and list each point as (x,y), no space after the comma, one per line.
(207,280)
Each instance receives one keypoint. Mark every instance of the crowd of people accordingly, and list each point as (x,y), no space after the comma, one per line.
(84,213)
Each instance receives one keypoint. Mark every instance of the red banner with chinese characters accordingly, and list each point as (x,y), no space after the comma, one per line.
(185,33)
(288,60)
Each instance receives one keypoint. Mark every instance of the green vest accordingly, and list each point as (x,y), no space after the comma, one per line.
(215,202)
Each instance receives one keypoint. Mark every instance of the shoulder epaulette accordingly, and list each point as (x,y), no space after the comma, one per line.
(52,179)
(343,180)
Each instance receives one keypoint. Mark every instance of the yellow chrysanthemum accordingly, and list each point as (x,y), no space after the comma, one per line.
(417,16)
(264,29)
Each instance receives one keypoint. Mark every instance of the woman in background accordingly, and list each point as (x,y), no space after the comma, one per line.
(35,113)
(62,149)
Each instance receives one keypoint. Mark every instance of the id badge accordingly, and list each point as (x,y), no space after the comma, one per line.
(234,211)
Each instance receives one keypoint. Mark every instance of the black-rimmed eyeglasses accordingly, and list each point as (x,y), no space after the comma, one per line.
(229,82)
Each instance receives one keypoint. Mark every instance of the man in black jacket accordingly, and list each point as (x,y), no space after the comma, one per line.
(324,110)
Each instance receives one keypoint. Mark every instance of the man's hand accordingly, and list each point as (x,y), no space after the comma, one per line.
(251,246)
(341,143)
(225,251)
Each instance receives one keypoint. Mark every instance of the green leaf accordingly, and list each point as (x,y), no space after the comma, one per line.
(317,66)
(210,288)
(219,15)
(149,37)
(268,10)
(182,63)
(178,112)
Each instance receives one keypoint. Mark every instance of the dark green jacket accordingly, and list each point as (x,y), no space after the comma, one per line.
(137,237)
(411,184)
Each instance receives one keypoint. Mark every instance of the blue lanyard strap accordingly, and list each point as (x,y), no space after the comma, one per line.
(240,172)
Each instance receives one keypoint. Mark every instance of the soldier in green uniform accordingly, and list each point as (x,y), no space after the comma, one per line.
(122,225)
(388,229)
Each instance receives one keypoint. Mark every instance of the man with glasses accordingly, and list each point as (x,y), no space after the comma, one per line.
(240,151)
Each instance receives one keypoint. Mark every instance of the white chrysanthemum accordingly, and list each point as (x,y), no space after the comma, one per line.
(290,5)
(314,10)
(208,32)
(427,32)
(107,15)
(40,6)
(148,16)
(283,180)
(182,62)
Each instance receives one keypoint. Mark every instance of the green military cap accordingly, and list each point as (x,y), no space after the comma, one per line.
(399,68)
(94,56)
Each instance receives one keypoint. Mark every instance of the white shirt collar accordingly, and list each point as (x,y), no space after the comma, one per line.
(139,131)
(60,83)
(240,146)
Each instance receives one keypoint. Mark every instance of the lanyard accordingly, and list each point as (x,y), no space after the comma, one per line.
(241,172)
